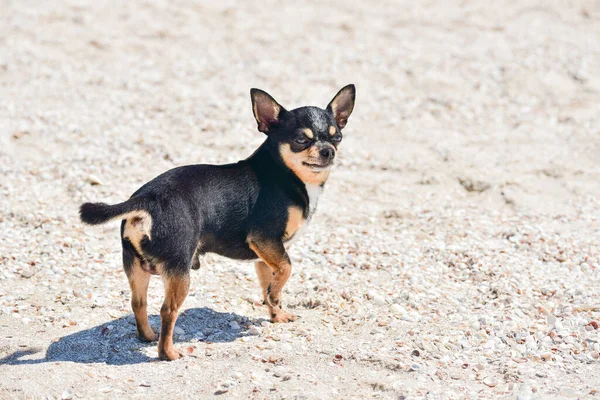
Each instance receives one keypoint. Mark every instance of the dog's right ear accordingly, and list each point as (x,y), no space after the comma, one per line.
(267,111)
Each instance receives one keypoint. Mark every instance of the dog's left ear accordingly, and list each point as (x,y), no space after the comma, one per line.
(267,111)
(342,105)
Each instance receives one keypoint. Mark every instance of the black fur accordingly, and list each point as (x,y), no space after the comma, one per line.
(197,209)
(99,213)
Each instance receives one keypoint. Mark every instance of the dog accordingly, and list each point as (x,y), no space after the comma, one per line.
(250,210)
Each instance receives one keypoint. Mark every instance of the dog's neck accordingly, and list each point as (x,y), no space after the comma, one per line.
(267,162)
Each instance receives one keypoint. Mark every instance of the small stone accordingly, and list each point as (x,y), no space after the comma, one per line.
(178,331)
(558,358)
(106,389)
(287,378)
(94,180)
(379,300)
(27,273)
(397,309)
(234,325)
(472,185)
(569,340)
(145,383)
(237,375)
(489,381)
(415,367)
(254,330)
(66,395)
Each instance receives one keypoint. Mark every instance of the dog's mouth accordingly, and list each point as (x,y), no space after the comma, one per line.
(317,167)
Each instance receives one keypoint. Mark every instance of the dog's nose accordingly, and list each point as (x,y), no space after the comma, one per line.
(327,153)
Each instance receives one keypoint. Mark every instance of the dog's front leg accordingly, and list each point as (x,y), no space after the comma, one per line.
(278,263)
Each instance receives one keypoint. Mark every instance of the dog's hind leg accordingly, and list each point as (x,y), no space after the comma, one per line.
(139,278)
(176,290)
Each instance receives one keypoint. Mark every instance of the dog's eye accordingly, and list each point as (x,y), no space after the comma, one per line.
(302,141)
(337,138)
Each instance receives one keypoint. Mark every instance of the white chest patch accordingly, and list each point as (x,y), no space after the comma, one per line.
(314,191)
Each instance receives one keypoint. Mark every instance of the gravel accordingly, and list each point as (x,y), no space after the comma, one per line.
(456,249)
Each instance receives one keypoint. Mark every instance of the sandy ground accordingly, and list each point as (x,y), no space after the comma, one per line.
(455,252)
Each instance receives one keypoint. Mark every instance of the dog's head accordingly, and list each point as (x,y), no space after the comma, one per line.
(306,138)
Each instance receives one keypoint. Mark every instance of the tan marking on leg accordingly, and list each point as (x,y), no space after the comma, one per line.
(138,224)
(332,130)
(176,289)
(294,223)
(309,133)
(138,281)
(276,258)
(304,173)
(265,276)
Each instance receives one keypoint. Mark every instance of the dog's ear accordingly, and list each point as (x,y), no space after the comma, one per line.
(267,111)
(342,105)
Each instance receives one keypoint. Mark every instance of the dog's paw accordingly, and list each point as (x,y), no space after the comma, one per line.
(283,317)
(170,354)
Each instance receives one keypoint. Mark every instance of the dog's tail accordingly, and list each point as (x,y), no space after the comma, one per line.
(99,213)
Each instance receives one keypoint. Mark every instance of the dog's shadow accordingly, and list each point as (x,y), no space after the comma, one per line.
(116,343)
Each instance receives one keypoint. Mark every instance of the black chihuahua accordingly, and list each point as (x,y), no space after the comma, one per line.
(250,210)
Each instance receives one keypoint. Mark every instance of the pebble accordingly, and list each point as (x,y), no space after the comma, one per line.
(106,389)
(94,180)
(253,330)
(237,375)
(27,273)
(491,382)
(146,383)
(397,309)
(379,300)
(234,325)
(178,331)
(66,395)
